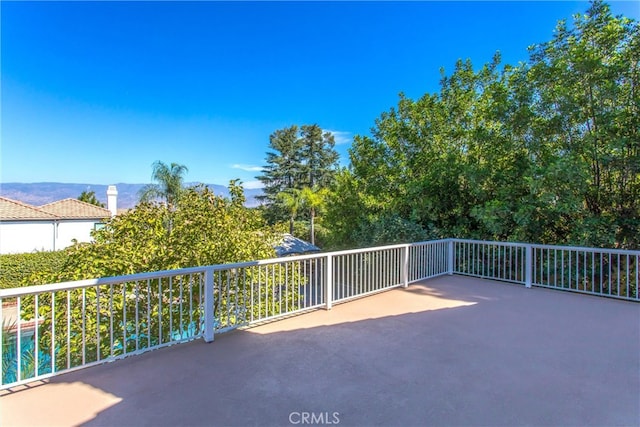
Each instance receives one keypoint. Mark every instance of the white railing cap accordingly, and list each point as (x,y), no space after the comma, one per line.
(62,286)
(38,289)
(76,284)
(557,247)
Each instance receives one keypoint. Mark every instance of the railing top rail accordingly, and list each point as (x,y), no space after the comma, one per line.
(63,286)
(558,247)
(38,289)
(284,260)
(429,242)
(489,242)
(385,247)
(268,261)
(585,249)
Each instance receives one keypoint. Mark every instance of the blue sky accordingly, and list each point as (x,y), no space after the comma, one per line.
(95,92)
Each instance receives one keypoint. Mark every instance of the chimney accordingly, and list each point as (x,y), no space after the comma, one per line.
(112,200)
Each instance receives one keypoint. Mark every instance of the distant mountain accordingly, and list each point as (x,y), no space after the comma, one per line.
(41,193)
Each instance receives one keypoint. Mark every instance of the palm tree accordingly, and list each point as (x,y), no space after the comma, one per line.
(314,198)
(292,201)
(169,183)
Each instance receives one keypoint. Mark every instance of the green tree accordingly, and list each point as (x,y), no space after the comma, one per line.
(345,209)
(389,229)
(206,230)
(314,198)
(90,197)
(319,159)
(437,161)
(292,201)
(283,169)
(299,158)
(169,183)
(547,151)
(587,115)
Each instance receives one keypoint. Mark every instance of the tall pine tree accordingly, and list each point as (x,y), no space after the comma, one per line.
(283,170)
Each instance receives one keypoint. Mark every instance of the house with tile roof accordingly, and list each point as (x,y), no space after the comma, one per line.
(54,226)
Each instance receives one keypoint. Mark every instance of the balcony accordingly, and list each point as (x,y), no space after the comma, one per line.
(456,349)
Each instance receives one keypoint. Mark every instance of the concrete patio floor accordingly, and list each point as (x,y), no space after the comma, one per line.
(451,351)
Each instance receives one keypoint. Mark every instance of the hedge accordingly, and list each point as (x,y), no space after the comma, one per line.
(15,268)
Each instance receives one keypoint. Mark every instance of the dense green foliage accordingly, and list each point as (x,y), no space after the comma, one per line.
(300,166)
(90,197)
(388,229)
(548,151)
(299,157)
(16,268)
(200,229)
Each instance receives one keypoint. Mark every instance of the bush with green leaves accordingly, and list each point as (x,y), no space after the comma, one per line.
(16,268)
(546,151)
(389,229)
(201,229)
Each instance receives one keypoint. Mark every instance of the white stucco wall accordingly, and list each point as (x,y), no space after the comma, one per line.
(69,230)
(30,236)
(26,236)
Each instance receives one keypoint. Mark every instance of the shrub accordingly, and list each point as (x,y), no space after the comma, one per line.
(389,229)
(201,229)
(16,268)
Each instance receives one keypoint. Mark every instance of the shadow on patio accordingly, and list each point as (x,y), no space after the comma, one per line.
(447,351)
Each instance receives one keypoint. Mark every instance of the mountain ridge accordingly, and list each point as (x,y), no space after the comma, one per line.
(41,193)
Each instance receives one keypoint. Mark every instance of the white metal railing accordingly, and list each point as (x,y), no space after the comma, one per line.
(55,328)
(612,273)
(429,259)
(603,272)
(257,291)
(60,327)
(490,260)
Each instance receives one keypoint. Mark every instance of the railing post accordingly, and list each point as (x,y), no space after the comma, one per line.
(450,259)
(329,281)
(528,265)
(209,315)
(405,266)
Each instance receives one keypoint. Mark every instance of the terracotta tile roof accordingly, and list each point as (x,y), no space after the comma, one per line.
(13,209)
(75,209)
(63,209)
